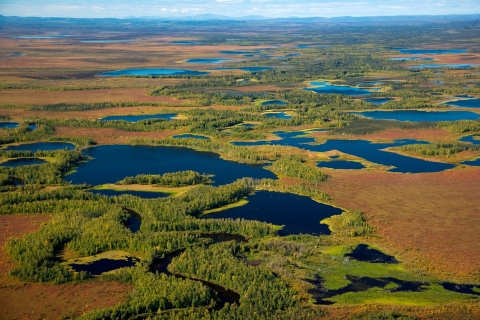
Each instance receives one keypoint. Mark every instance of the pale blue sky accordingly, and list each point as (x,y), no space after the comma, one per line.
(235,8)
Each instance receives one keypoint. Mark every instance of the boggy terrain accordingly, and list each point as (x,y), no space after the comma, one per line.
(216,189)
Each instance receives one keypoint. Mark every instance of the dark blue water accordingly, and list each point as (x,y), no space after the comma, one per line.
(207,61)
(135,118)
(470,139)
(341,164)
(445,65)
(369,83)
(42,146)
(306,46)
(104,265)
(475,162)
(325,87)
(360,148)
(299,214)
(379,100)
(464,96)
(107,41)
(249,125)
(22,162)
(40,37)
(32,126)
(115,162)
(150,72)
(16,54)
(293,55)
(185,42)
(418,116)
(141,194)
(430,51)
(248,69)
(8,125)
(472,103)
(277,115)
(412,59)
(235,52)
(191,136)
(273,102)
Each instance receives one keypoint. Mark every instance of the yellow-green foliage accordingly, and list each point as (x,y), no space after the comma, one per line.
(350,223)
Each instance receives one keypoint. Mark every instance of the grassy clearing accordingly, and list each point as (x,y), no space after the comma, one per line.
(146,188)
(240,203)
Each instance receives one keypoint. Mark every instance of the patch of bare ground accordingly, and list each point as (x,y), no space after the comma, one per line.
(430,220)
(109,135)
(46,301)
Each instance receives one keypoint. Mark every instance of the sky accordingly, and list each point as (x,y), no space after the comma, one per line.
(234,8)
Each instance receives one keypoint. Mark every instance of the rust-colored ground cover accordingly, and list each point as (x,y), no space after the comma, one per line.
(429,220)
(45,301)
(109,135)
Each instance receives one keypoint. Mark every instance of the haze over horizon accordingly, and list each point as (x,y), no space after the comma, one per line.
(234,8)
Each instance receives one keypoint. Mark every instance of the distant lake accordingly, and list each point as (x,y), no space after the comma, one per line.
(361,148)
(136,118)
(22,162)
(378,100)
(418,116)
(440,65)
(341,164)
(207,61)
(325,87)
(306,46)
(278,115)
(472,103)
(42,146)
(299,214)
(430,51)
(471,139)
(115,162)
(412,59)
(191,136)
(248,69)
(41,37)
(235,52)
(107,41)
(141,194)
(185,42)
(8,125)
(150,72)
(273,102)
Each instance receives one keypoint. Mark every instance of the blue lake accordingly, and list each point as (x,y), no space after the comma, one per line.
(22,162)
(306,46)
(430,51)
(248,69)
(298,214)
(42,146)
(341,164)
(8,125)
(273,102)
(471,139)
(185,42)
(16,54)
(464,96)
(378,100)
(235,52)
(325,87)
(472,103)
(207,61)
(191,136)
(151,72)
(418,116)
(444,65)
(107,41)
(475,162)
(141,194)
(136,118)
(249,125)
(40,37)
(360,148)
(412,59)
(278,115)
(115,162)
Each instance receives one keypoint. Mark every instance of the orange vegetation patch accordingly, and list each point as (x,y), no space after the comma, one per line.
(27,97)
(430,221)
(436,135)
(458,58)
(45,301)
(109,135)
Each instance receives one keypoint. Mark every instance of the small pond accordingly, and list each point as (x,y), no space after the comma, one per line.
(8,125)
(364,253)
(444,65)
(475,162)
(115,162)
(141,194)
(207,61)
(412,59)
(299,214)
(277,115)
(136,118)
(471,103)
(191,136)
(430,51)
(236,52)
(18,162)
(42,146)
(325,87)
(151,72)
(104,265)
(341,164)
(41,37)
(274,102)
(419,116)
(378,101)
(471,139)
